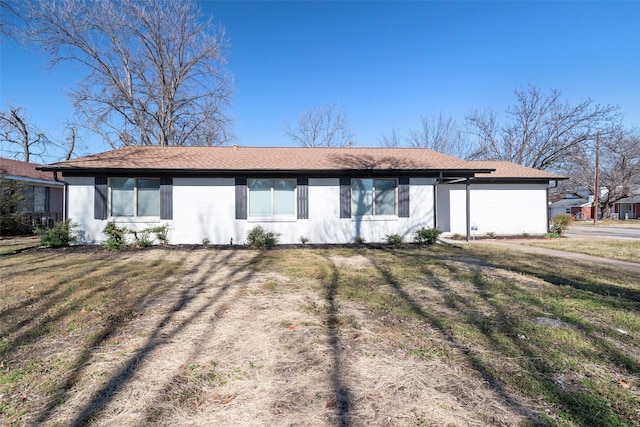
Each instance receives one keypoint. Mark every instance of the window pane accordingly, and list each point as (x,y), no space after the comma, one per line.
(284,201)
(39,199)
(259,197)
(28,193)
(122,196)
(148,197)
(361,197)
(385,196)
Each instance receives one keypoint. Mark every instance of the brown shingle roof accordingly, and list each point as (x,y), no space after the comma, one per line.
(226,159)
(265,159)
(20,169)
(504,170)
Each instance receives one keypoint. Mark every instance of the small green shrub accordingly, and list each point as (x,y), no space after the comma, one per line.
(560,223)
(304,240)
(60,235)
(260,238)
(457,236)
(161,233)
(426,236)
(552,236)
(116,236)
(491,234)
(142,238)
(394,240)
(205,242)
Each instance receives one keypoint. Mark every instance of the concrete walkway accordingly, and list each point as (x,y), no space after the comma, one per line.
(588,259)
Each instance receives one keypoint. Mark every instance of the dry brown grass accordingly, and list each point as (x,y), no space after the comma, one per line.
(623,250)
(10,244)
(286,337)
(629,223)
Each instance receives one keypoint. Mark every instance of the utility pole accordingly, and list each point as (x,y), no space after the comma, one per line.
(597,190)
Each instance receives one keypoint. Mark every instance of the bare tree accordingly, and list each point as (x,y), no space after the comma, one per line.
(18,137)
(542,131)
(619,169)
(326,126)
(155,74)
(440,134)
(71,143)
(7,26)
(391,139)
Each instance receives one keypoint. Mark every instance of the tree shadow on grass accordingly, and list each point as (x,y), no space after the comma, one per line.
(474,360)
(128,305)
(244,271)
(341,393)
(28,321)
(478,311)
(159,336)
(559,272)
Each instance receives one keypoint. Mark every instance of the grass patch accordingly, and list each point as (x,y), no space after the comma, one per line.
(628,223)
(545,328)
(552,341)
(623,250)
(10,245)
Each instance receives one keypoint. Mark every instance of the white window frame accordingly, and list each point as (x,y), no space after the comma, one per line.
(374,215)
(272,216)
(135,199)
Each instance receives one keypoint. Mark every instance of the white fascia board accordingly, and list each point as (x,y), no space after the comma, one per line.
(35,180)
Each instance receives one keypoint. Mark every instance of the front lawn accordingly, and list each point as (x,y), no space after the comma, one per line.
(408,337)
(623,250)
(12,244)
(616,223)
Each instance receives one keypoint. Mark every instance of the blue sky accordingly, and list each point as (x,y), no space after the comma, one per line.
(385,63)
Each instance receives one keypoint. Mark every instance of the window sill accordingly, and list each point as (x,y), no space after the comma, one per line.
(134,219)
(375,218)
(271,219)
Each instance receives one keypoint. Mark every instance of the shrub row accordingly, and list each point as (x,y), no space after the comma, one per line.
(117,236)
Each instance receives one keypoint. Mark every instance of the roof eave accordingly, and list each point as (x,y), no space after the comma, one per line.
(80,171)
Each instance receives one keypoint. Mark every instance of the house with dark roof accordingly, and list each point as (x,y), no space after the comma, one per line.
(580,209)
(627,208)
(43,196)
(326,195)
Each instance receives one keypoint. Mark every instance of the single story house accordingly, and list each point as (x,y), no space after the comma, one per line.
(327,195)
(627,208)
(43,195)
(579,208)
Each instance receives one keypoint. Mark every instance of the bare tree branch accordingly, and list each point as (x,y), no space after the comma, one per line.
(391,139)
(442,134)
(18,137)
(326,126)
(542,131)
(155,68)
(72,143)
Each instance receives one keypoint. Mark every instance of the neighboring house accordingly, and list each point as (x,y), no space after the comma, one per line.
(43,195)
(327,195)
(580,209)
(627,208)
